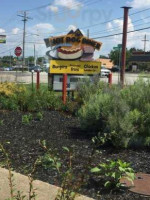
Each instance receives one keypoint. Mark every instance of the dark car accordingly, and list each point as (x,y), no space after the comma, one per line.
(35,69)
(115,69)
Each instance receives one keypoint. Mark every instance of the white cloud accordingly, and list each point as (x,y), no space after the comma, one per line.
(52,8)
(44,27)
(15,30)
(70,4)
(138,4)
(2,30)
(109,25)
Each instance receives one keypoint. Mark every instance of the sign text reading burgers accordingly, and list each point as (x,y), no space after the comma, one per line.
(74,67)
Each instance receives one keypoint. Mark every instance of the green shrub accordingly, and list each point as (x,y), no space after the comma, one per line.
(15,97)
(120,116)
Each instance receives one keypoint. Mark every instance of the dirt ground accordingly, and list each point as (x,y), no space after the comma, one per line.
(61,130)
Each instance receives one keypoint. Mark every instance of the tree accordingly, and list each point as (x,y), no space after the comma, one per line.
(105,57)
(114,55)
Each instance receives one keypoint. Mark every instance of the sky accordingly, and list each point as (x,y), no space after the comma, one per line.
(56,17)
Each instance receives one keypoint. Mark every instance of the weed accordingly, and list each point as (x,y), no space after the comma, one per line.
(39,116)
(113,172)
(1,122)
(70,184)
(17,195)
(27,118)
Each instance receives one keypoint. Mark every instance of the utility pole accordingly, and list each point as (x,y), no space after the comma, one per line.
(34,56)
(145,41)
(25,19)
(88,33)
(10,60)
(124,44)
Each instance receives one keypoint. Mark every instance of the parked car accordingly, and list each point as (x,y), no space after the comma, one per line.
(115,69)
(35,69)
(104,72)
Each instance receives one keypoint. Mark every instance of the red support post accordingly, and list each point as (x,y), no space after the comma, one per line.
(124,44)
(110,79)
(38,80)
(64,88)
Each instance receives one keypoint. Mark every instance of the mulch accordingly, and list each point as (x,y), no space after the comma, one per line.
(60,130)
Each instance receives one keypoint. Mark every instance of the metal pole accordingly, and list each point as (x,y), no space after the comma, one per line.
(88,33)
(124,44)
(64,94)
(110,79)
(10,59)
(38,81)
(34,56)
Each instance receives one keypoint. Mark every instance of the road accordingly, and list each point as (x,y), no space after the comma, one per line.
(26,77)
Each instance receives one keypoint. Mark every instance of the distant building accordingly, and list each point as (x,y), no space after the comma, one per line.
(140,61)
(106,62)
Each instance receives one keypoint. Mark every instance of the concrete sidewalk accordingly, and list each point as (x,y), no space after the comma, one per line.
(44,191)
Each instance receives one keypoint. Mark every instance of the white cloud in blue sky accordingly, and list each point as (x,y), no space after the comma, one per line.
(70,4)
(138,4)
(53,8)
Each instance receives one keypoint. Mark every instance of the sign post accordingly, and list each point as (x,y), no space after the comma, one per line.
(38,81)
(18,51)
(72,55)
(64,85)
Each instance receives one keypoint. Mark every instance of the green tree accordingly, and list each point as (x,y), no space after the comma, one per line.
(114,55)
(103,56)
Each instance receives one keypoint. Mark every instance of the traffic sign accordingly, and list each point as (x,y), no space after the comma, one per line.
(18,51)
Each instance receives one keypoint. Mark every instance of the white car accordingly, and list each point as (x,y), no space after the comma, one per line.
(104,72)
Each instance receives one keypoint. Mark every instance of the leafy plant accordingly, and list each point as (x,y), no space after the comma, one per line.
(70,184)
(27,118)
(39,116)
(17,195)
(1,122)
(113,172)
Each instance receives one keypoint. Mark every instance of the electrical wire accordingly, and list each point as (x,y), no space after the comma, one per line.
(121,33)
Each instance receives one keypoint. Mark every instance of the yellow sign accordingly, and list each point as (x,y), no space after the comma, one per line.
(74,67)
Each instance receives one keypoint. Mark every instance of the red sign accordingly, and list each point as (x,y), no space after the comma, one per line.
(18,51)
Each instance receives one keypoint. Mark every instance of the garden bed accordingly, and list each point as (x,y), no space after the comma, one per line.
(60,130)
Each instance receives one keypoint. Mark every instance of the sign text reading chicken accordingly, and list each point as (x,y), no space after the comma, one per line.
(74,67)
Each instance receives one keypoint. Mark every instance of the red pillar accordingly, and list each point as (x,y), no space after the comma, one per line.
(124,44)
(110,79)
(64,90)
(38,80)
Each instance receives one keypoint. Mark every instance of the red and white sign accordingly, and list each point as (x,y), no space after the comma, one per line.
(18,51)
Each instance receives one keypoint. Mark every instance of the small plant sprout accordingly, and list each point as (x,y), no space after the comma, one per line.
(113,172)
(39,116)
(1,122)
(70,184)
(27,118)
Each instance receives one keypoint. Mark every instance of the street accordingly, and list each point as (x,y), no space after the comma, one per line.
(26,77)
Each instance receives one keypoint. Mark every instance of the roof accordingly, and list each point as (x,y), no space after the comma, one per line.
(106,62)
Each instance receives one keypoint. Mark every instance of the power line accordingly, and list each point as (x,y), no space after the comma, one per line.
(118,27)
(122,33)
